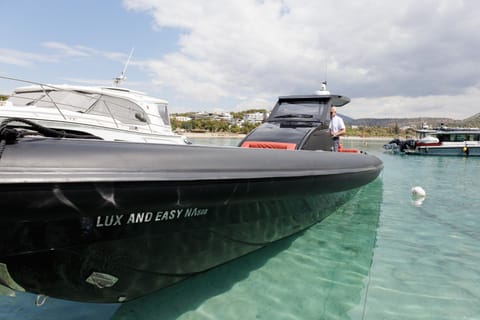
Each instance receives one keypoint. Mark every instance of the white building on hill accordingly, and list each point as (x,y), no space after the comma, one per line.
(257,117)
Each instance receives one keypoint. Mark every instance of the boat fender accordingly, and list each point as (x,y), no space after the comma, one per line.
(342,149)
(466,151)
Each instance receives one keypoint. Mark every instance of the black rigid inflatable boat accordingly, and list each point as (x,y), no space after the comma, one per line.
(102,221)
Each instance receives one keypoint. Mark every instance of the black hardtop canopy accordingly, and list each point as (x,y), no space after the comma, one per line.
(336,100)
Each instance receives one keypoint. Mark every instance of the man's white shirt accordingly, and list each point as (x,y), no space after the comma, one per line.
(336,124)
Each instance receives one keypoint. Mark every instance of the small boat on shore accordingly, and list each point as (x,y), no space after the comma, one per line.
(106,113)
(108,221)
(298,122)
(441,141)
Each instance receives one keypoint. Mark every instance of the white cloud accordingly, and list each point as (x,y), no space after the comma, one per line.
(23,59)
(67,50)
(402,58)
(406,52)
(62,50)
(59,51)
(457,106)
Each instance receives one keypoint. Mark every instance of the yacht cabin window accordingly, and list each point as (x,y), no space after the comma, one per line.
(163,113)
(122,110)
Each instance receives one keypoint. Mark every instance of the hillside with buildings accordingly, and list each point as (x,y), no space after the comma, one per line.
(245,121)
(235,122)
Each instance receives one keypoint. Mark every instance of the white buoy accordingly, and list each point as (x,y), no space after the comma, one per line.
(418,192)
(418,196)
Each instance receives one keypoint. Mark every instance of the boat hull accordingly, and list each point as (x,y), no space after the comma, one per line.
(458,150)
(110,222)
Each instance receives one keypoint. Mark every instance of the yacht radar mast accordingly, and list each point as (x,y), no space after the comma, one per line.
(323,89)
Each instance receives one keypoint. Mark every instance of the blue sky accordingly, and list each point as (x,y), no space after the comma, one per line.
(61,41)
(392,58)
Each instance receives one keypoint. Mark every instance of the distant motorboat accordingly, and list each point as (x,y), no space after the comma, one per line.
(106,113)
(441,141)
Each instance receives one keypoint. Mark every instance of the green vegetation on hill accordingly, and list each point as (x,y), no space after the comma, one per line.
(375,131)
(235,115)
(473,121)
(403,126)
(211,126)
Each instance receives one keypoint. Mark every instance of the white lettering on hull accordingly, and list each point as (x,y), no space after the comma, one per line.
(149,216)
(140,217)
(108,221)
(194,212)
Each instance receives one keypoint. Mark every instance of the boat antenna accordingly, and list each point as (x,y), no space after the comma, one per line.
(122,76)
(323,89)
(326,67)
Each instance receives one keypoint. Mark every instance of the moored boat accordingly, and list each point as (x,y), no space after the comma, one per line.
(107,113)
(441,141)
(103,221)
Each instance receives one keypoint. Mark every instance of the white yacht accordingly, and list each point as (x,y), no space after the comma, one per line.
(107,113)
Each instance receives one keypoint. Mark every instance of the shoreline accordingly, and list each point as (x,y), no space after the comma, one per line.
(241,135)
(212,135)
(367,138)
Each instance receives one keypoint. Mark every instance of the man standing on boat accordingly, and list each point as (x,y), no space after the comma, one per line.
(336,127)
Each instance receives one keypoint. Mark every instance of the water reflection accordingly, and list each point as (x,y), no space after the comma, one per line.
(321,273)
(23,307)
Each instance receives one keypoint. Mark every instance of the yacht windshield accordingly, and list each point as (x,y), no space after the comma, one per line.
(122,110)
(299,110)
(66,100)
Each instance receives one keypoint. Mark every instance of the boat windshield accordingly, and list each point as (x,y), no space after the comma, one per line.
(298,110)
(66,100)
(122,110)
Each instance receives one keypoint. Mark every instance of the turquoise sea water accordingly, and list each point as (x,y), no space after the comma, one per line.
(381,256)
